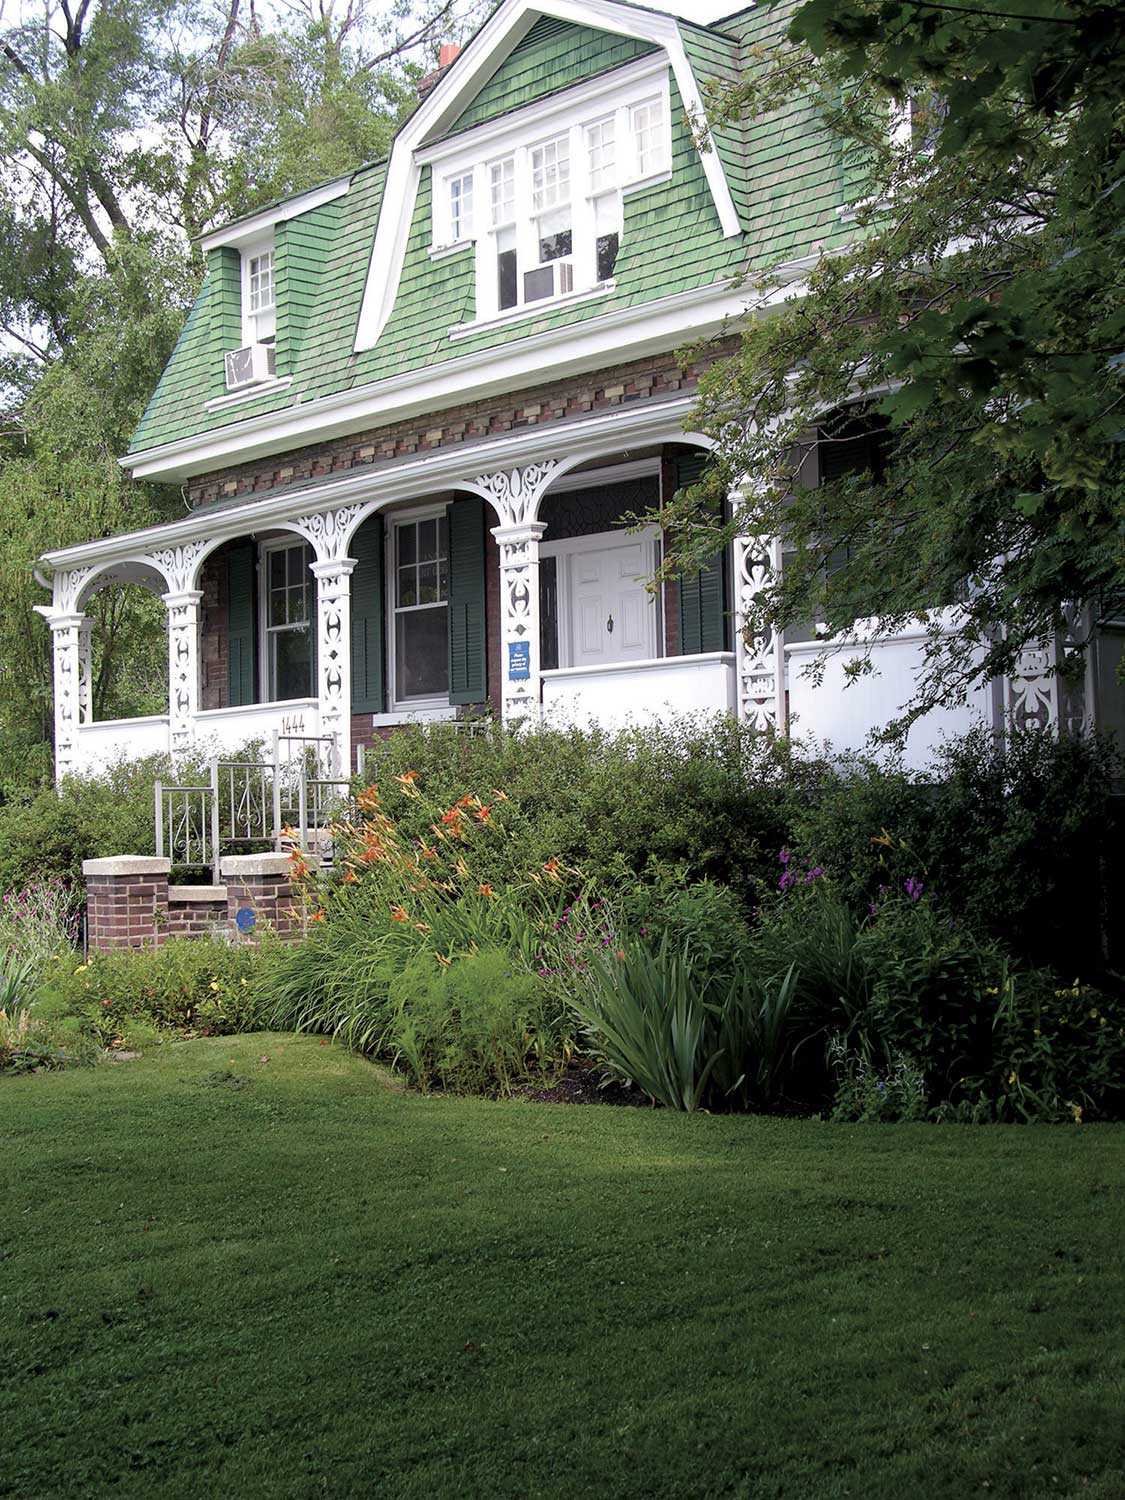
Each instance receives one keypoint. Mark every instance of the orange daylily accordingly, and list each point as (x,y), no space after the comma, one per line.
(368,799)
(408,778)
(399,914)
(483,812)
(316,916)
(486,890)
(350,877)
(454,815)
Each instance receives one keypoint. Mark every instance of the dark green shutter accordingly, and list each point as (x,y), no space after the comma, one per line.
(703,614)
(314,627)
(367,618)
(467,647)
(242,621)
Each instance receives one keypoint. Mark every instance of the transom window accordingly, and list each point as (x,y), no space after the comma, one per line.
(553,217)
(290,606)
(420,559)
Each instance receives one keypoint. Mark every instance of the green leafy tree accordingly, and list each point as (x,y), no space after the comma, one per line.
(127,128)
(977,319)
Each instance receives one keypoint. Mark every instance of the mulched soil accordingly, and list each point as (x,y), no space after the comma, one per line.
(584,1083)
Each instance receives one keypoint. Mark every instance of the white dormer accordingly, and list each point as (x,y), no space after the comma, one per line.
(539,192)
(418,143)
(259,308)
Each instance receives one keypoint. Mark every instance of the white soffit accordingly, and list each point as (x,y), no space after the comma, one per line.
(473,68)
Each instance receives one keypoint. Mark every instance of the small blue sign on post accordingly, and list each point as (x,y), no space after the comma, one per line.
(519,661)
(244,919)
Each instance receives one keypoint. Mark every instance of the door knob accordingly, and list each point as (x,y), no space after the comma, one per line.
(609,624)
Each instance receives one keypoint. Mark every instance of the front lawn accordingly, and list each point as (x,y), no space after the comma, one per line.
(253,1266)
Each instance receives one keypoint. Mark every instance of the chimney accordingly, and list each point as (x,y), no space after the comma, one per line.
(449,51)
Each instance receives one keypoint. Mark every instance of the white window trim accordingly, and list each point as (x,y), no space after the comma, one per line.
(404,707)
(517,136)
(601,541)
(250,321)
(265,548)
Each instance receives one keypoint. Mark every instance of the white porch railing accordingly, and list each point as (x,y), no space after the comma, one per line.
(640,692)
(844,712)
(100,742)
(229,729)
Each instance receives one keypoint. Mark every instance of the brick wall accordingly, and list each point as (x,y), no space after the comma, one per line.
(214,616)
(130,904)
(196,911)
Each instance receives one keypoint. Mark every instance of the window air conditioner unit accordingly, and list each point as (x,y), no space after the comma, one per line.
(552,280)
(250,365)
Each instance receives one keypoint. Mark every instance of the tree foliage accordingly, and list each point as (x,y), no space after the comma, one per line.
(127,129)
(978,311)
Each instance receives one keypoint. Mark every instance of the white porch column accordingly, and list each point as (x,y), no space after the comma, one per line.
(329,532)
(334,655)
(519,622)
(515,494)
(70,649)
(759,653)
(183,668)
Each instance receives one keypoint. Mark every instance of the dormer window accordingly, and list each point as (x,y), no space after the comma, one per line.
(551,184)
(259,312)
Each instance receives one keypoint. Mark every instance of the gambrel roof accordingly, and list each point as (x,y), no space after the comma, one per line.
(371,324)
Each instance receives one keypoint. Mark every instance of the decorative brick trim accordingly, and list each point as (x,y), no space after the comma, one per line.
(621,385)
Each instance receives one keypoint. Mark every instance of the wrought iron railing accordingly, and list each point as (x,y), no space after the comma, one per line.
(250,805)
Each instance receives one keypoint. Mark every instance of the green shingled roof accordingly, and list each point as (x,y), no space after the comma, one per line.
(783,171)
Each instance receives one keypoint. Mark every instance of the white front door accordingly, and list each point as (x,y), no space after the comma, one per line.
(607,613)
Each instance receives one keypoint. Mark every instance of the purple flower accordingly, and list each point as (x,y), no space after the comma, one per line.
(913,888)
(787,879)
(871,908)
(815,873)
(785,856)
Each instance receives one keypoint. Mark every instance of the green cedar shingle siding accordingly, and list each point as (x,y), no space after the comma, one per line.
(783,170)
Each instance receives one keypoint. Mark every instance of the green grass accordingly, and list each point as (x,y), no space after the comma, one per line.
(250,1266)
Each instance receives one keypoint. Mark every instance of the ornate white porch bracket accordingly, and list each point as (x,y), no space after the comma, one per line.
(334,656)
(329,531)
(515,494)
(759,653)
(1037,695)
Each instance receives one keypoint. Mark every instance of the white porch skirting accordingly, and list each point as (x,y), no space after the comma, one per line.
(640,692)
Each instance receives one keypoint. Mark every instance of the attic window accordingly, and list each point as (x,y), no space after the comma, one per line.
(552,183)
(259,313)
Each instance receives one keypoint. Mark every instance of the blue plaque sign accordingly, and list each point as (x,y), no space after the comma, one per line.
(244,919)
(519,661)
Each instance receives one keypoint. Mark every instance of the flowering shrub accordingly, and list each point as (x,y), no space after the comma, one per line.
(189,984)
(423,886)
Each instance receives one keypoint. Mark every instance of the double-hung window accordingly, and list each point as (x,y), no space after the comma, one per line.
(290,607)
(259,319)
(420,562)
(550,187)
